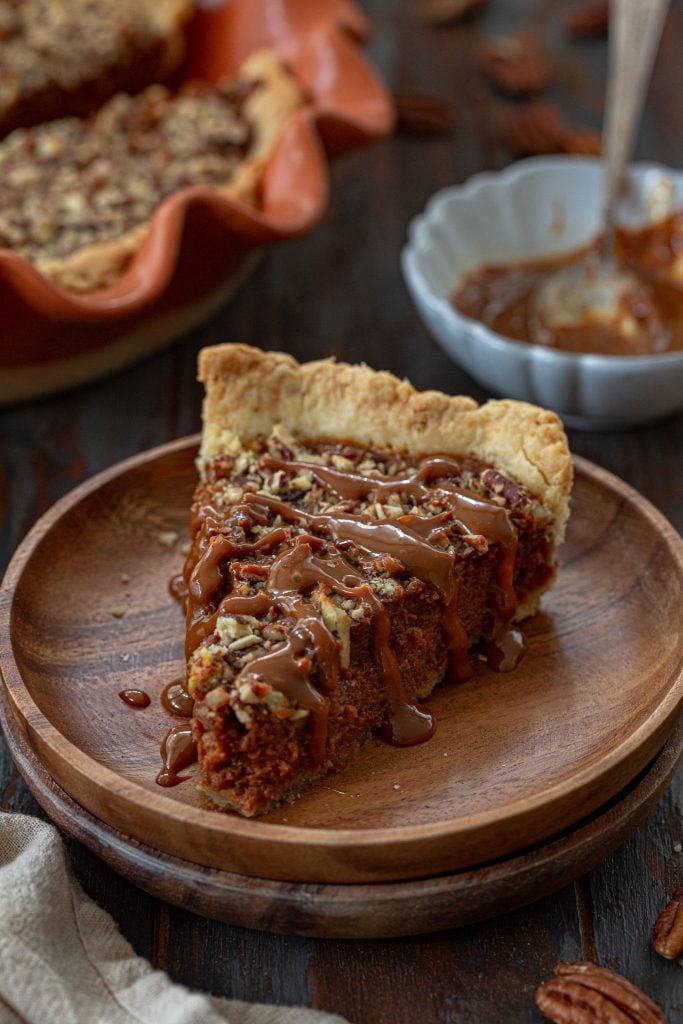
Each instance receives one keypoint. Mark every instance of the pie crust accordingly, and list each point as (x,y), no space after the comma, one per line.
(249,391)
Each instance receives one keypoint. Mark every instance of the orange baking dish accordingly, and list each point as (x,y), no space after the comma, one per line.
(200,244)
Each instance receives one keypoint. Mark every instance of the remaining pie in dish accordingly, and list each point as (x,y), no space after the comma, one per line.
(352,540)
(67,57)
(77,196)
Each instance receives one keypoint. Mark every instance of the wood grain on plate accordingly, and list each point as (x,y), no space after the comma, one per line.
(375,910)
(516,758)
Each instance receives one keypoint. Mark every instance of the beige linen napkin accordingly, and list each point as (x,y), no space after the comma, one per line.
(64,961)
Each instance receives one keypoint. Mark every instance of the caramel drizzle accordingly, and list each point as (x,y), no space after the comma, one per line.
(470,513)
(178,751)
(308,563)
(178,590)
(208,578)
(178,747)
(176,700)
(135,698)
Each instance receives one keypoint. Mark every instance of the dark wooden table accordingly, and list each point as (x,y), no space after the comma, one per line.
(340,291)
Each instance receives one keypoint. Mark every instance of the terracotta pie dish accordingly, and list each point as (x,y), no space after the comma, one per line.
(200,244)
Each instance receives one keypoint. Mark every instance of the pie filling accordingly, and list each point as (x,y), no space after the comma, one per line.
(328,588)
(72,183)
(68,56)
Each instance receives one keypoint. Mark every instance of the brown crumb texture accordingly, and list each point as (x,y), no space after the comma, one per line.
(256,740)
(66,57)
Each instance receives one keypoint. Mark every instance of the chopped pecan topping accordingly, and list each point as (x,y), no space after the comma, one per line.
(583,993)
(449,12)
(68,56)
(588,20)
(538,127)
(422,114)
(70,183)
(517,64)
(667,934)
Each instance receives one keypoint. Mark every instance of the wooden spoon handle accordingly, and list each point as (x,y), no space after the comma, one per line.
(634,31)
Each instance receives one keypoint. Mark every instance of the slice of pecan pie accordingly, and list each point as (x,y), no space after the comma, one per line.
(352,539)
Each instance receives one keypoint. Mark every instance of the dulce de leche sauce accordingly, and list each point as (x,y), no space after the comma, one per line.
(501,296)
(300,549)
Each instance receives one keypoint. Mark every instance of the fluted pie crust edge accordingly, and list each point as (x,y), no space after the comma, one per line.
(248,392)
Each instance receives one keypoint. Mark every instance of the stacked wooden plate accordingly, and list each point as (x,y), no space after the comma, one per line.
(530,779)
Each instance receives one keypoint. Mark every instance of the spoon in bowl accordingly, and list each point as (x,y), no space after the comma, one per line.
(596,292)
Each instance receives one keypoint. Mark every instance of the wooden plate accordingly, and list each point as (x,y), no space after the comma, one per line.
(371,911)
(516,758)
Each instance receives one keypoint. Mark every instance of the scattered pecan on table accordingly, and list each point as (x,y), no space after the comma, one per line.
(588,20)
(667,934)
(423,114)
(583,993)
(518,64)
(450,12)
(538,127)
(581,141)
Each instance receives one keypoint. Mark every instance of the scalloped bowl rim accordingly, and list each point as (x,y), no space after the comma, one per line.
(494,340)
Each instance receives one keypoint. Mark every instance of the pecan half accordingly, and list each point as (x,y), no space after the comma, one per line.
(449,12)
(539,127)
(517,64)
(583,993)
(667,934)
(423,114)
(588,20)
(581,141)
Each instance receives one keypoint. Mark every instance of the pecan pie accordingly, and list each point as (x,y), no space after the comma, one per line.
(60,57)
(352,539)
(77,196)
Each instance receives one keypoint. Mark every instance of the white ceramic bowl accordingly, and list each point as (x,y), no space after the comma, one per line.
(536,207)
